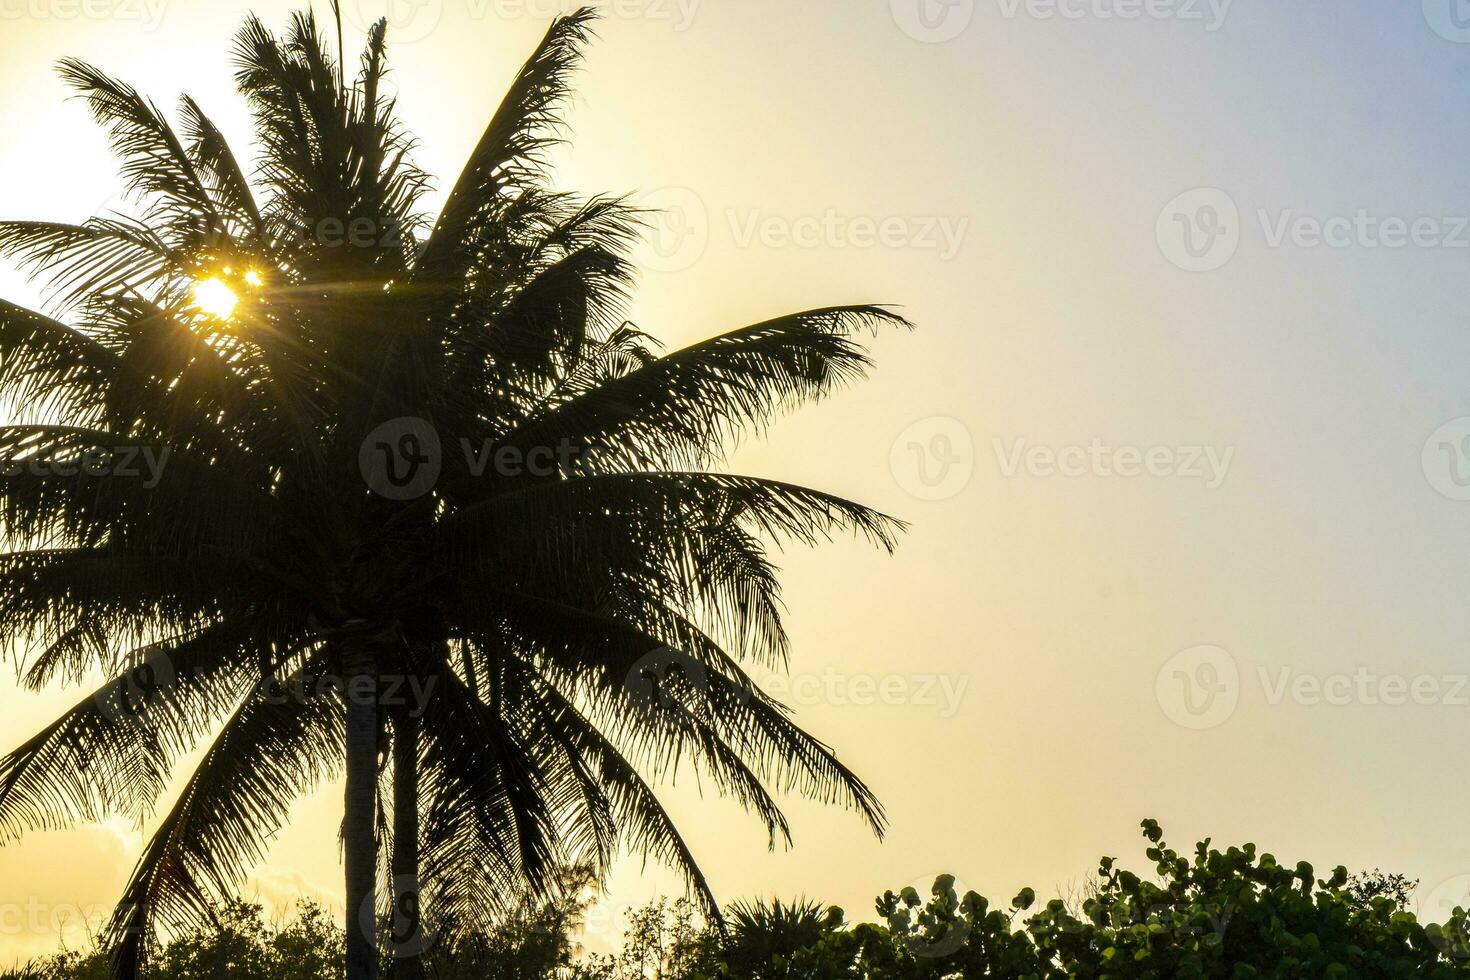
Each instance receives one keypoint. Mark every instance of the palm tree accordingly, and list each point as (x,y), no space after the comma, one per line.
(401,455)
(765,934)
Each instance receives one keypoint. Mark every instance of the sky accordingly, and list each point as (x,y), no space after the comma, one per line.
(1183,433)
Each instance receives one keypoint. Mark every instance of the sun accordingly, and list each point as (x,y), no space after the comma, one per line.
(215,298)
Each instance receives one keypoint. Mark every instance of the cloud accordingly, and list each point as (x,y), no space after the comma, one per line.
(57,889)
(280,890)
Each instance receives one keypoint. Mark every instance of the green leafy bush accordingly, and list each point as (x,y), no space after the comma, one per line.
(1232,914)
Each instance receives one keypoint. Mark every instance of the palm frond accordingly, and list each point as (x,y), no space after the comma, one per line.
(271,750)
(154,162)
(510,151)
(680,409)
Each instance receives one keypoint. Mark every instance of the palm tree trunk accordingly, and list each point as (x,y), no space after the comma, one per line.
(408,936)
(359,837)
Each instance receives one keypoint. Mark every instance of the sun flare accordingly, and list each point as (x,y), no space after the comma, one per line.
(215,298)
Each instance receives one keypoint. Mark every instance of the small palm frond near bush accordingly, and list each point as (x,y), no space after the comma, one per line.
(762,930)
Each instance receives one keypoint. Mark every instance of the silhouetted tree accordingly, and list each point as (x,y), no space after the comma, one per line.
(387,448)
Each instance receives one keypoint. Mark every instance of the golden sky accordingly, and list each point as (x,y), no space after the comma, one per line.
(1178,432)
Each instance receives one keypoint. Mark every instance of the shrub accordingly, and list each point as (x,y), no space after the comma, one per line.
(1234,914)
